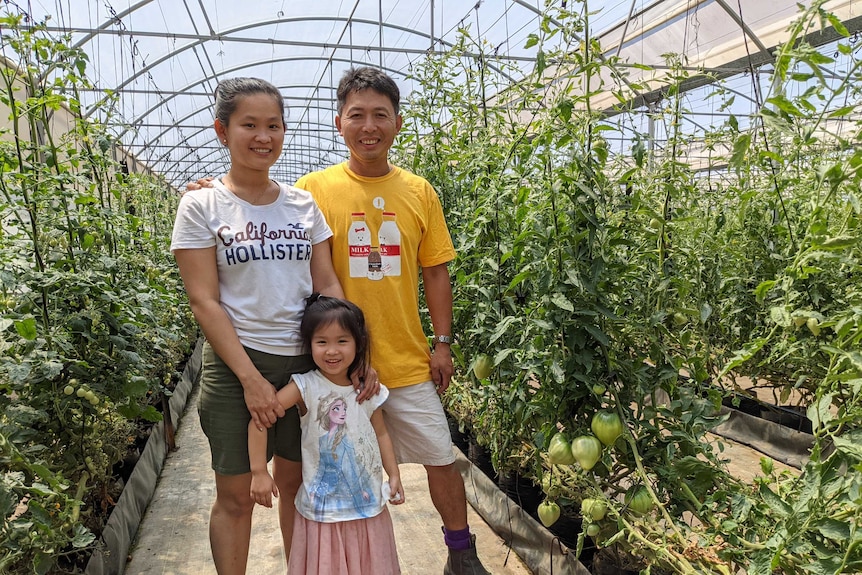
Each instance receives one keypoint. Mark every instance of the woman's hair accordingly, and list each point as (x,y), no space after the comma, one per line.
(364,78)
(230,91)
(321,310)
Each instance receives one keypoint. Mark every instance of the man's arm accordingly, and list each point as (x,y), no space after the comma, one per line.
(438,296)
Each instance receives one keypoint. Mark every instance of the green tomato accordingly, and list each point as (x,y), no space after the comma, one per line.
(607,426)
(593,529)
(81,392)
(548,512)
(559,451)
(587,451)
(68,390)
(595,509)
(482,366)
(599,388)
(638,500)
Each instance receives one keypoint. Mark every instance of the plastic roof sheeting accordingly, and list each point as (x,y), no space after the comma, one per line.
(163,58)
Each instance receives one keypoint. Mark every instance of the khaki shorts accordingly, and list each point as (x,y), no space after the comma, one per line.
(417,425)
(224,415)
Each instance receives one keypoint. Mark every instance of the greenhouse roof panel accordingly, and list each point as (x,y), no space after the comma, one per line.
(164,57)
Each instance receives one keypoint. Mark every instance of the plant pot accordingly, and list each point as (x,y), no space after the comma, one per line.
(526,494)
(480,456)
(460,439)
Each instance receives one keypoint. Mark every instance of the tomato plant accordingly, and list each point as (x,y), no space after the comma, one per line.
(90,339)
(600,271)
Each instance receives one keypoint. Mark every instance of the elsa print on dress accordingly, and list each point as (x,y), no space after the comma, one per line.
(341,481)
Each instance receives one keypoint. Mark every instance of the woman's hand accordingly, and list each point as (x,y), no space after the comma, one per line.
(262,403)
(366,384)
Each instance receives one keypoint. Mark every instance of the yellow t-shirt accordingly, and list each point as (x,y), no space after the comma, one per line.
(384,231)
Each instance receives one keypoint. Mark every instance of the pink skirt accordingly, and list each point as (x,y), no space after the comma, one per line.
(359,547)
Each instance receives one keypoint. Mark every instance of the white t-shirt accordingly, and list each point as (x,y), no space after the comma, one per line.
(342,471)
(263,257)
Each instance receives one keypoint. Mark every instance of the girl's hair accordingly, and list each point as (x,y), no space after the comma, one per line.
(230,91)
(321,310)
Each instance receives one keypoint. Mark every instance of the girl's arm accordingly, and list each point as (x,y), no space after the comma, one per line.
(387,454)
(263,487)
(200,276)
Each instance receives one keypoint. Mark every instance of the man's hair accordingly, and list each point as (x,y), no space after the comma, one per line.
(364,78)
(229,92)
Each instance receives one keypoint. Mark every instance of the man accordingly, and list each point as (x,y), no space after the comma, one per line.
(387,225)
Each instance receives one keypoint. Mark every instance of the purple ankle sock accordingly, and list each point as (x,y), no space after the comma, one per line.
(457,540)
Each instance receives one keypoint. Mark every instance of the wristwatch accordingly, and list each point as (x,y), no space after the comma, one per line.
(441,339)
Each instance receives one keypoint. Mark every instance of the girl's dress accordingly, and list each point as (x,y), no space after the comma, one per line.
(342,524)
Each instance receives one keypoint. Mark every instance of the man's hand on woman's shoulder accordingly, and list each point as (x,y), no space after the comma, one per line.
(206,182)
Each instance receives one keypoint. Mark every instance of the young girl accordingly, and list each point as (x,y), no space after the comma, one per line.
(342,524)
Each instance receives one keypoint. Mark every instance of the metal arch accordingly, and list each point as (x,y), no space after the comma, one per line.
(158,159)
(201,129)
(139,121)
(220,37)
(214,149)
(198,129)
(228,71)
(303,159)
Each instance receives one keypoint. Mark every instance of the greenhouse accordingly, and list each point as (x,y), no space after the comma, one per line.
(656,311)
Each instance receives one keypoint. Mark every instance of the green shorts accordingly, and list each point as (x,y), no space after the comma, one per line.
(224,415)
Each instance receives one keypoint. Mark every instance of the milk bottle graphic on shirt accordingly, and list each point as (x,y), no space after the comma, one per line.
(389,240)
(359,245)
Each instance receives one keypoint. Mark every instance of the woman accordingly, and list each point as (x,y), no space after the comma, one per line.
(249,252)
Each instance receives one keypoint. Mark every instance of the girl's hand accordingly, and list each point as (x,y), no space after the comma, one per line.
(263,488)
(262,403)
(396,496)
(366,385)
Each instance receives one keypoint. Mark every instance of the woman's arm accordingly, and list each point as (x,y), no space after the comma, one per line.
(323,278)
(387,455)
(200,276)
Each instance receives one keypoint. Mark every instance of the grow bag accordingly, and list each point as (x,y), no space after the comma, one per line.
(537,547)
(111,552)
